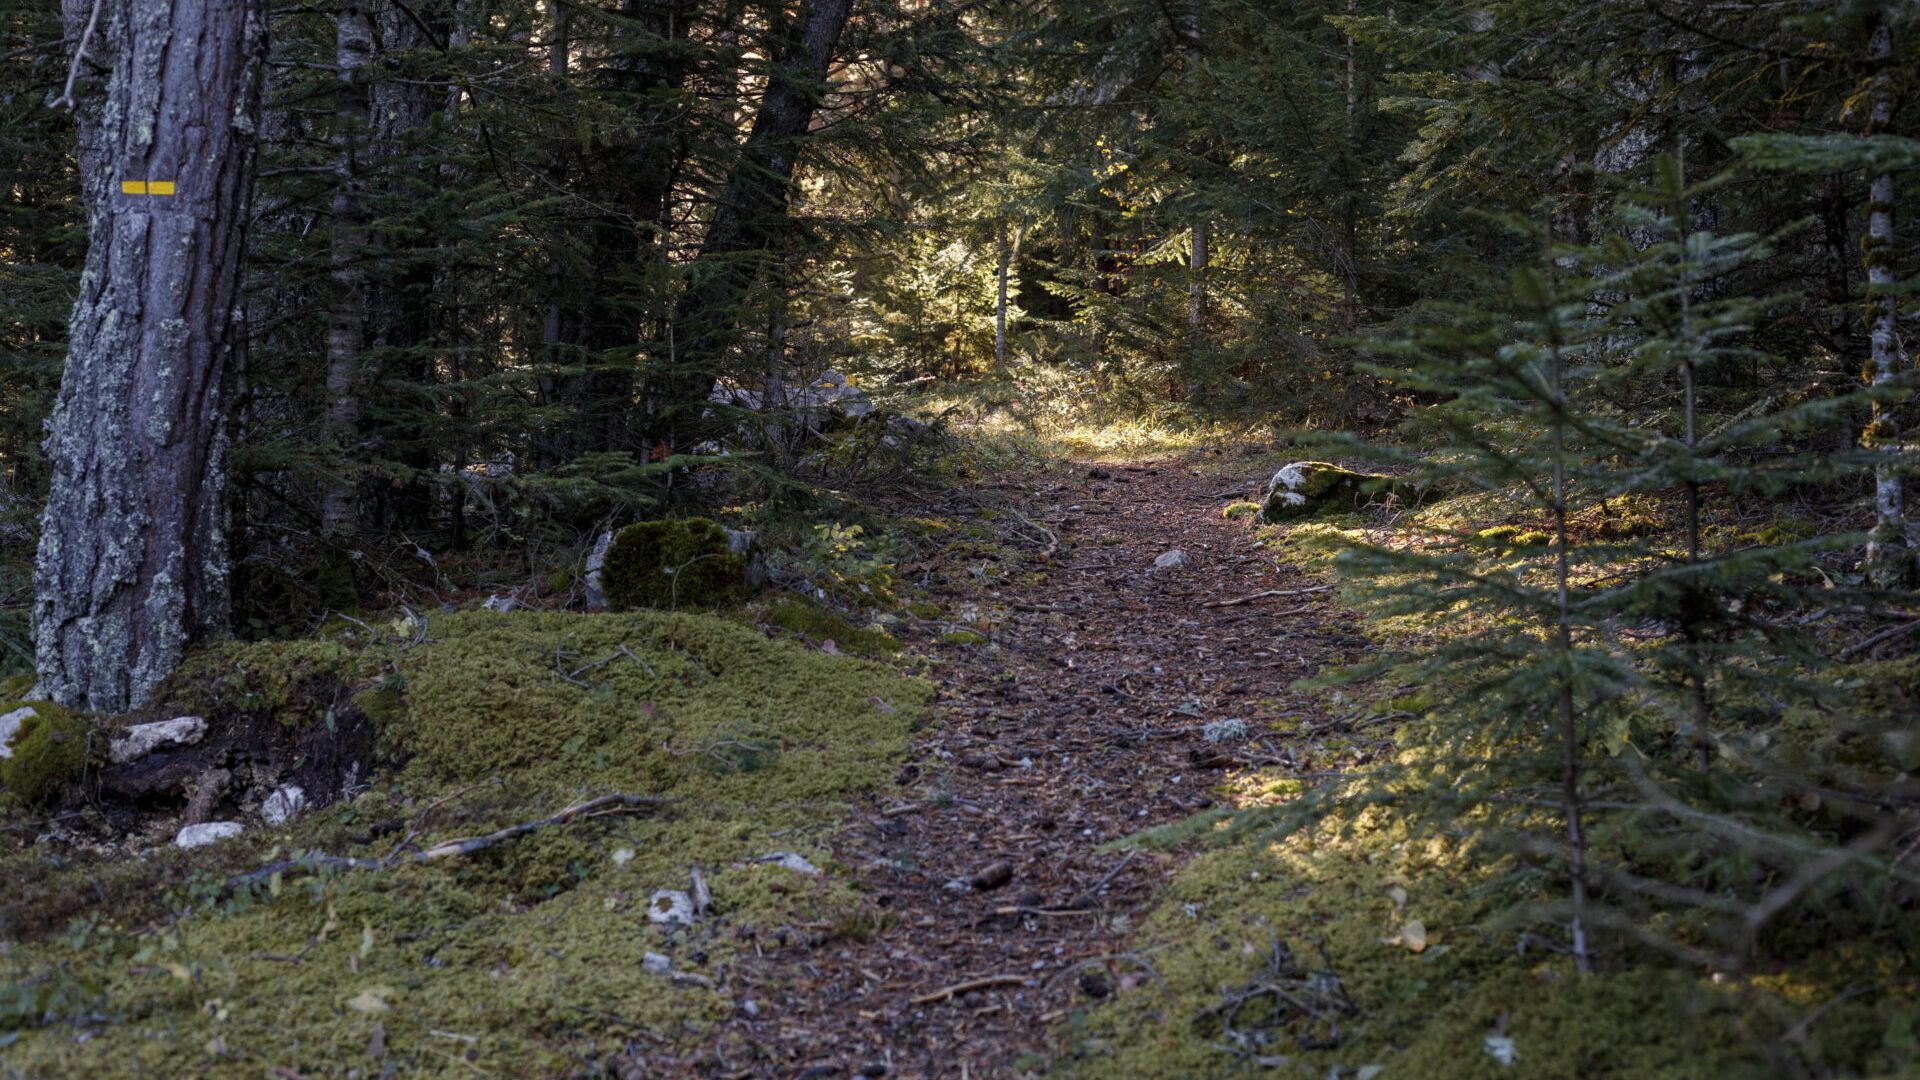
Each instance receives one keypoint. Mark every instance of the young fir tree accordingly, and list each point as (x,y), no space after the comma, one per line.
(1618,692)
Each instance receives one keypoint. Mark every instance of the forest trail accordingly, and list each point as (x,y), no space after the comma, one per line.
(1085,724)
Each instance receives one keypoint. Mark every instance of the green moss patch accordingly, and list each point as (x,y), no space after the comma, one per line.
(673,565)
(525,959)
(49,751)
(819,626)
(1341,909)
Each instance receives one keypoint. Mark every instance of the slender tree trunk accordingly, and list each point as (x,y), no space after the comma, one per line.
(133,561)
(1197,277)
(1572,804)
(750,218)
(1890,553)
(347,308)
(1000,299)
(1350,212)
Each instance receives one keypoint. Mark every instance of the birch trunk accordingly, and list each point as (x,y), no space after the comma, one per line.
(1890,553)
(1197,277)
(132,564)
(347,306)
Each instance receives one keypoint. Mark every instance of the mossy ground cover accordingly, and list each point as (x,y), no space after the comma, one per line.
(524,959)
(1343,903)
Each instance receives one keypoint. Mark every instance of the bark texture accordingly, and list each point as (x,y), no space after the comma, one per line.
(1891,552)
(133,562)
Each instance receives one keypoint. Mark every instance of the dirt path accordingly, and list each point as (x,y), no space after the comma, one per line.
(996,914)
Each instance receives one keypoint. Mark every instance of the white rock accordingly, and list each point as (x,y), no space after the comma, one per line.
(286,801)
(1173,560)
(796,863)
(142,739)
(655,963)
(211,832)
(10,726)
(670,907)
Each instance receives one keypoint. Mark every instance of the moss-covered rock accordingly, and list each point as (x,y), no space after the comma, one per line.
(49,750)
(1505,538)
(684,563)
(1305,489)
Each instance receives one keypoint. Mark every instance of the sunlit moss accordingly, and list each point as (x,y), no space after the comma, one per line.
(1429,1013)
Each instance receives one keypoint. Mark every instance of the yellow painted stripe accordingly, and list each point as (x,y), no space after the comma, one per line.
(133,187)
(159,187)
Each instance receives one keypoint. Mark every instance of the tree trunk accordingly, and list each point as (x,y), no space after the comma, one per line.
(751,214)
(1890,553)
(1197,277)
(1000,300)
(133,558)
(400,308)
(347,306)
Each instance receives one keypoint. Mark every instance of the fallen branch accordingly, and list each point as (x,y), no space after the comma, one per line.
(1237,601)
(1880,638)
(603,806)
(982,983)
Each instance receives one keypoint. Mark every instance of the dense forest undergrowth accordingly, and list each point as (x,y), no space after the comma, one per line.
(1339,538)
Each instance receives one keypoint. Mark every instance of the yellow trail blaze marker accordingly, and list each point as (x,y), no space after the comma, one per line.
(146,187)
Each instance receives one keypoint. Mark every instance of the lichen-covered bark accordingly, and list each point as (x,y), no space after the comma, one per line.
(1891,552)
(132,562)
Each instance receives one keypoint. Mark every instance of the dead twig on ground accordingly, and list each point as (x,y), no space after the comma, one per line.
(1880,638)
(1086,894)
(603,806)
(985,982)
(1237,601)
